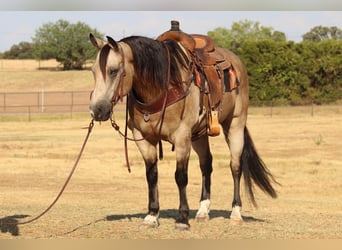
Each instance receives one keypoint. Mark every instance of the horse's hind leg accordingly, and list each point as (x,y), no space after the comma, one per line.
(235,140)
(183,149)
(201,147)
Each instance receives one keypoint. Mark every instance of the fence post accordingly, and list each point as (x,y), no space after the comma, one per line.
(4,102)
(72,98)
(42,98)
(29,113)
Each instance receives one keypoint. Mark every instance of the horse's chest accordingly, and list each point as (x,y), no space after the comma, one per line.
(150,125)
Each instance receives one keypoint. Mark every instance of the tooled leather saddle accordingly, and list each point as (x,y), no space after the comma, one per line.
(214,72)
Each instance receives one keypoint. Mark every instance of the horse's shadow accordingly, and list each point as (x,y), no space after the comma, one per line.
(173,213)
(9,224)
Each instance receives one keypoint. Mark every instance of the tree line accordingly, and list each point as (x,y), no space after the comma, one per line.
(280,71)
(284,72)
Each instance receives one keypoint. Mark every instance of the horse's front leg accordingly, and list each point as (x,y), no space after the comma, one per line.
(201,147)
(183,148)
(153,200)
(149,153)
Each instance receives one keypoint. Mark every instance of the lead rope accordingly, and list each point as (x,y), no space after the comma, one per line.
(125,140)
(90,127)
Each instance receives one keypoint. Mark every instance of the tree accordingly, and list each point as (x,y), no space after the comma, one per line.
(67,43)
(272,70)
(23,50)
(322,65)
(244,31)
(321,33)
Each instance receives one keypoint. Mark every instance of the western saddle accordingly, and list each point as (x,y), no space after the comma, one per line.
(213,72)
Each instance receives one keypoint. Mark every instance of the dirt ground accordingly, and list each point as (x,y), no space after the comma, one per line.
(104,201)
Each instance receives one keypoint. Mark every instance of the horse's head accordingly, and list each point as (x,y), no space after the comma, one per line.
(111,83)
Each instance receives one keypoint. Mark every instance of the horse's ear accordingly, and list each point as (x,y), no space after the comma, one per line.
(112,42)
(98,43)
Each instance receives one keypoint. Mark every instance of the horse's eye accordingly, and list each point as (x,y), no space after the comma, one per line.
(113,72)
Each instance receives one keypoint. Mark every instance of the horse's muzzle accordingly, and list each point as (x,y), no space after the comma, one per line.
(101,111)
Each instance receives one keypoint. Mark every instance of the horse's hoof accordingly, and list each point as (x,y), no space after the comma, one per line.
(182,226)
(203,211)
(202,218)
(236,221)
(235,216)
(150,224)
(151,221)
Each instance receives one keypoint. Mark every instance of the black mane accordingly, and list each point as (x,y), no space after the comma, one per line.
(150,60)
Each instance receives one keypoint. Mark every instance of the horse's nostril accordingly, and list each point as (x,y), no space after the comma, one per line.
(100,111)
(91,113)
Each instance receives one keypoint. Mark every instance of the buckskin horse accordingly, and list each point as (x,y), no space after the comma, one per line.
(170,97)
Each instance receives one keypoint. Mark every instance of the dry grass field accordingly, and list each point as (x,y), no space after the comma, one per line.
(103,200)
(24,76)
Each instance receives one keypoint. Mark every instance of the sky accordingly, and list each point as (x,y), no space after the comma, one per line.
(20,25)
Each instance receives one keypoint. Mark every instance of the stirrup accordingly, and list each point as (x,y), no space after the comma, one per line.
(214,126)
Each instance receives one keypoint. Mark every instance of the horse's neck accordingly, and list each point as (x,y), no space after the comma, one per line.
(146,92)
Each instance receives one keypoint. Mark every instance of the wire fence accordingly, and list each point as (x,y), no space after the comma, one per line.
(45,102)
(72,102)
(40,102)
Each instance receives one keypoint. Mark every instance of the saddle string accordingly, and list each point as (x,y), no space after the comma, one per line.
(90,128)
(118,93)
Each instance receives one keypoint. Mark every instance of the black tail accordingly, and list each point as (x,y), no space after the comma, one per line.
(254,168)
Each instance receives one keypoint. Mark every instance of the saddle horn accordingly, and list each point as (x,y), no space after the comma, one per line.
(112,42)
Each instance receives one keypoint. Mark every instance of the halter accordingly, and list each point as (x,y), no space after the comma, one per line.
(118,93)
